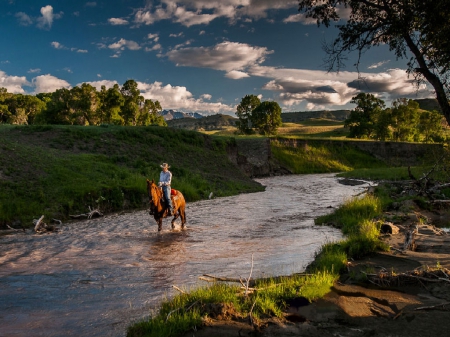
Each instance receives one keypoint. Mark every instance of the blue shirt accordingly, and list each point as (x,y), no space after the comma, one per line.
(165,178)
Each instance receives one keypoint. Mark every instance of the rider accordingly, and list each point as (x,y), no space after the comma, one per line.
(165,179)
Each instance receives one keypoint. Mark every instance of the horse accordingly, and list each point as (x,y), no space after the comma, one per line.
(159,209)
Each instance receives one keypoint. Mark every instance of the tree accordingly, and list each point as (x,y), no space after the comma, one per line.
(420,26)
(362,120)
(430,126)
(132,103)
(150,113)
(244,112)
(111,103)
(266,118)
(86,104)
(405,118)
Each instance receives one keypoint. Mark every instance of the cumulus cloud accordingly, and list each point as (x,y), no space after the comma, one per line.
(300,18)
(57,45)
(34,71)
(226,56)
(197,12)
(49,83)
(178,97)
(46,20)
(118,21)
(319,88)
(123,44)
(236,74)
(13,84)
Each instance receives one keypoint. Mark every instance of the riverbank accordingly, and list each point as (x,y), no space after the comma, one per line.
(395,293)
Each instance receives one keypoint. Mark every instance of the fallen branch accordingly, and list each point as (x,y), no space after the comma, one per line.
(180,290)
(431,307)
(15,229)
(38,224)
(89,215)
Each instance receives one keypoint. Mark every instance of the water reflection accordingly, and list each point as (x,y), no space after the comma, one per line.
(94,277)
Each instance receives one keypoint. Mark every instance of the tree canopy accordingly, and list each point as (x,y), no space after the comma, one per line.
(254,115)
(82,105)
(417,30)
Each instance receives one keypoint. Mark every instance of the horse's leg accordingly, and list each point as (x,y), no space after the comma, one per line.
(183,216)
(159,224)
(175,217)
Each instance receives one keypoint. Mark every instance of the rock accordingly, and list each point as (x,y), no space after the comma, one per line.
(389,228)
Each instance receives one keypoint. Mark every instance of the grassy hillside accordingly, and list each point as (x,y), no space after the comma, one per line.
(63,170)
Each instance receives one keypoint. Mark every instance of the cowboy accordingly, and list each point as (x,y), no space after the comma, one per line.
(165,179)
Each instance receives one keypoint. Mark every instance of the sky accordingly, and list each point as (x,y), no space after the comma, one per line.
(190,55)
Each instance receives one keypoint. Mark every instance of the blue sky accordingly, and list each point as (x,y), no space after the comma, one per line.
(190,55)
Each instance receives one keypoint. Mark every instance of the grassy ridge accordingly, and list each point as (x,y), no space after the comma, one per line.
(62,170)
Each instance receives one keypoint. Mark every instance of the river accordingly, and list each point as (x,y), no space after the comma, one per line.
(95,277)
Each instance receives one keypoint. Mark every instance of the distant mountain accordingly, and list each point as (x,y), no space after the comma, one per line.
(213,122)
(429,104)
(299,116)
(169,115)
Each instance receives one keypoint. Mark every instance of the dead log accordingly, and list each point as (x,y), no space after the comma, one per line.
(39,225)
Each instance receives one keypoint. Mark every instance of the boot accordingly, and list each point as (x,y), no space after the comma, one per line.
(169,211)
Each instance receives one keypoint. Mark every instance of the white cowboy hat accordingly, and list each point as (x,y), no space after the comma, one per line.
(164,165)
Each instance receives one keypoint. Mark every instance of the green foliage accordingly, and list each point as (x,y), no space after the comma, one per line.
(244,113)
(363,118)
(266,118)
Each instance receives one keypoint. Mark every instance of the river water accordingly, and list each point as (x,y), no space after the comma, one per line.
(95,277)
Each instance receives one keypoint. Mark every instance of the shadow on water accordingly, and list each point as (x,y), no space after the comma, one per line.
(93,278)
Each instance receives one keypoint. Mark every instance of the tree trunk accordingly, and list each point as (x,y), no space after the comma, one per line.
(432,78)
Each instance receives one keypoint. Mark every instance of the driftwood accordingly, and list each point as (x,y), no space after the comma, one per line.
(384,278)
(41,227)
(90,215)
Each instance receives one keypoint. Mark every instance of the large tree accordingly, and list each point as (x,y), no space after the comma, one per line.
(244,113)
(266,118)
(414,29)
(362,121)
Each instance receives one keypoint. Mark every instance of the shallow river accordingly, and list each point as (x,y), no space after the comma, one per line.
(95,277)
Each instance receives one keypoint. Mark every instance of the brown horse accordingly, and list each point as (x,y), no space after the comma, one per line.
(158,207)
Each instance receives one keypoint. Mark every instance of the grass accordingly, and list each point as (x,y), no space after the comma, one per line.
(61,170)
(317,157)
(185,311)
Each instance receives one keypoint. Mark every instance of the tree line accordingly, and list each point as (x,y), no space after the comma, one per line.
(82,105)
(403,121)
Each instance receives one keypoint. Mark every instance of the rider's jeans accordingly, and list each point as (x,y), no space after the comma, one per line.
(166,191)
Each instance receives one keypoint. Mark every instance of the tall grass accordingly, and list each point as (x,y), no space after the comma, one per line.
(318,157)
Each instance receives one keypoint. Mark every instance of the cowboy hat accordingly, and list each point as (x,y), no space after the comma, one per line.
(164,165)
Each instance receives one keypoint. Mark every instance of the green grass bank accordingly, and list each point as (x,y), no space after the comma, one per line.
(57,171)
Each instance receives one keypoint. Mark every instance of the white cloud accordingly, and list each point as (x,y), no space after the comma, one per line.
(154,37)
(197,12)
(226,56)
(118,21)
(49,83)
(177,97)
(46,20)
(34,71)
(377,65)
(155,47)
(13,84)
(122,44)
(57,45)
(83,51)
(24,19)
(320,88)
(236,74)
(300,18)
